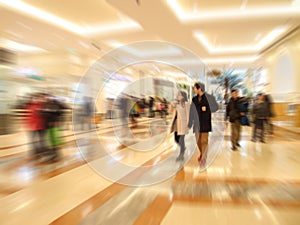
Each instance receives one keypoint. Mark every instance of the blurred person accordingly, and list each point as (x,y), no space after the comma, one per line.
(269,102)
(134,113)
(180,119)
(150,105)
(36,124)
(200,119)
(142,105)
(161,110)
(53,111)
(235,111)
(260,114)
(123,105)
(165,106)
(87,113)
(109,109)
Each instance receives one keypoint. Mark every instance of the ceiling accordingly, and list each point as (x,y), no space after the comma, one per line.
(221,33)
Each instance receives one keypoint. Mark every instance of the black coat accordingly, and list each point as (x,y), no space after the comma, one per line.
(200,120)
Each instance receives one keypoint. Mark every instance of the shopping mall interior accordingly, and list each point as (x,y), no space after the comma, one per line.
(88,95)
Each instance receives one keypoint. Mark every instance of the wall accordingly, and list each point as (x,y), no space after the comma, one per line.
(282,64)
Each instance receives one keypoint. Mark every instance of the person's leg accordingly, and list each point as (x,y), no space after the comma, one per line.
(204,144)
(55,143)
(42,140)
(182,148)
(34,142)
(254,132)
(182,144)
(270,126)
(176,137)
(198,141)
(262,137)
(239,130)
(233,136)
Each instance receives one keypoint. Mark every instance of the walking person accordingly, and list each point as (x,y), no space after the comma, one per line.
(53,111)
(200,120)
(260,114)
(36,125)
(234,111)
(269,102)
(180,120)
(150,105)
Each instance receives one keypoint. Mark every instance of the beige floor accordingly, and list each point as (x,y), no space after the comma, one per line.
(258,184)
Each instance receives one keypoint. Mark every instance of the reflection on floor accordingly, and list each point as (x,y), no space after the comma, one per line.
(258,184)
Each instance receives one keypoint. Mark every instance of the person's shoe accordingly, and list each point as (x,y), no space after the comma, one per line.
(253,140)
(262,141)
(180,158)
(202,162)
(233,148)
(238,145)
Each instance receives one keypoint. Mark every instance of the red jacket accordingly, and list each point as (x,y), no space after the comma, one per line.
(34,119)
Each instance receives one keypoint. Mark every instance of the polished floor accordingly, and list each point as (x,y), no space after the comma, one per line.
(258,184)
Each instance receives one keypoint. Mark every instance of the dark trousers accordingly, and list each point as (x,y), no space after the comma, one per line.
(38,141)
(179,139)
(258,125)
(269,126)
(235,132)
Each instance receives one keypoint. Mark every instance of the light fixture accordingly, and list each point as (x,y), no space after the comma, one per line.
(221,60)
(238,49)
(30,10)
(113,43)
(18,47)
(153,52)
(186,16)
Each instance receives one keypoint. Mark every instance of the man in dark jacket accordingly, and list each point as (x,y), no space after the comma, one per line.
(200,119)
(234,112)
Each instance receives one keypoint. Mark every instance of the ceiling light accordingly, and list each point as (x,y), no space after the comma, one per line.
(111,28)
(43,15)
(15,46)
(114,44)
(245,48)
(186,16)
(230,60)
(30,10)
(270,37)
(153,52)
(83,44)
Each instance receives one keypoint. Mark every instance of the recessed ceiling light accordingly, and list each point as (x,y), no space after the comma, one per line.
(237,49)
(114,44)
(230,60)
(15,46)
(83,44)
(30,10)
(186,16)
